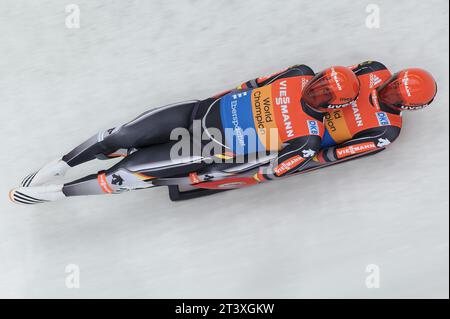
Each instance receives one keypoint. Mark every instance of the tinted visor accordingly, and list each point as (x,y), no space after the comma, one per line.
(318,93)
(390,92)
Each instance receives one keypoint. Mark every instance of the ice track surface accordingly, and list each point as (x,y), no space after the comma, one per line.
(308,236)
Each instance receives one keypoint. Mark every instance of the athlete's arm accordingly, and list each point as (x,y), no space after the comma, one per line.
(367,142)
(291,158)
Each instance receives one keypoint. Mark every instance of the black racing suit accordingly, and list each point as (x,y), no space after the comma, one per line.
(271,106)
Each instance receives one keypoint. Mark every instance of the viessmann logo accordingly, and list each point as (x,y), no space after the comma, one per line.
(355,149)
(334,75)
(357,114)
(405,81)
(102,182)
(288,164)
(283,102)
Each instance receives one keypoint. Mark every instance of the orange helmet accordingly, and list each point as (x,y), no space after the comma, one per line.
(409,89)
(332,88)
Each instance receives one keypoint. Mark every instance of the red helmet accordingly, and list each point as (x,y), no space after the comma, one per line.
(409,89)
(332,88)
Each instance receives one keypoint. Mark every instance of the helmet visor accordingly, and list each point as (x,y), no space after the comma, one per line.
(318,93)
(390,92)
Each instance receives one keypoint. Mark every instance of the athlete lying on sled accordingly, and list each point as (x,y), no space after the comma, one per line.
(290,122)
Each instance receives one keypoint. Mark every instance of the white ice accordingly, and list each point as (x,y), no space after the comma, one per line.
(308,236)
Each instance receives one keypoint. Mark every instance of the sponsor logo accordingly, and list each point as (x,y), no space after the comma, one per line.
(412,108)
(193,177)
(338,106)
(334,75)
(405,81)
(374,80)
(308,153)
(329,120)
(355,149)
(117,180)
(375,99)
(235,120)
(382,142)
(288,164)
(336,124)
(382,118)
(263,112)
(357,115)
(282,101)
(231,185)
(313,127)
(101,179)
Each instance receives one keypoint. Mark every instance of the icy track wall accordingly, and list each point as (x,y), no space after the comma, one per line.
(318,235)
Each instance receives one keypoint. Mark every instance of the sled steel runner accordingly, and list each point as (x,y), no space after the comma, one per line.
(180,192)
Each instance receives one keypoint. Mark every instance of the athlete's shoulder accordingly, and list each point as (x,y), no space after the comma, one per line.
(368,67)
(301,69)
(295,70)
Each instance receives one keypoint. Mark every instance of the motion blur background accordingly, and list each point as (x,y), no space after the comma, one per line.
(309,236)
